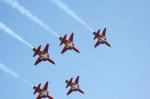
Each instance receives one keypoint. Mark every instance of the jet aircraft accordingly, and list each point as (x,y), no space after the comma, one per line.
(43,93)
(74,86)
(43,55)
(69,44)
(101,38)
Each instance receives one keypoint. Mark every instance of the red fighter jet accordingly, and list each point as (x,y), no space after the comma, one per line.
(74,86)
(101,38)
(43,93)
(43,55)
(69,44)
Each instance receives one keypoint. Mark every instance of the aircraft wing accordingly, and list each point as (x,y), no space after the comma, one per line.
(80,91)
(107,44)
(46,48)
(70,91)
(75,49)
(77,80)
(104,32)
(38,97)
(38,61)
(71,37)
(97,43)
(51,61)
(45,86)
(64,50)
(50,97)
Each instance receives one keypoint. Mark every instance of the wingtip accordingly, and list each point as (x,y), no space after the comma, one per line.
(52,97)
(35,64)
(110,46)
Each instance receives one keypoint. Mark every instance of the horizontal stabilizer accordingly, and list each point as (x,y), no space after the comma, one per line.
(36,51)
(37,89)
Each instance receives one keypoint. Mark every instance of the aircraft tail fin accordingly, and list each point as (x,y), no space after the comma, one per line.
(63,39)
(96,34)
(68,82)
(36,88)
(36,51)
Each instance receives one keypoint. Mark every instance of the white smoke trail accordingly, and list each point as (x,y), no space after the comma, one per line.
(13,34)
(65,8)
(8,71)
(26,82)
(29,15)
(14,74)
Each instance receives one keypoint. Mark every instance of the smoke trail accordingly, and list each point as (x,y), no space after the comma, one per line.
(65,8)
(13,34)
(26,82)
(14,74)
(29,15)
(2,66)
(8,71)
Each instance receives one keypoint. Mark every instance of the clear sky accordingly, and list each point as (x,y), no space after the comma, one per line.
(120,72)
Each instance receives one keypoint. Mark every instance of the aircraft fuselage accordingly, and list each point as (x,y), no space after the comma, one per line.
(74,86)
(102,39)
(44,56)
(44,93)
(69,45)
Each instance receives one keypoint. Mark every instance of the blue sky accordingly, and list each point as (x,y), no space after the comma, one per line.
(120,72)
